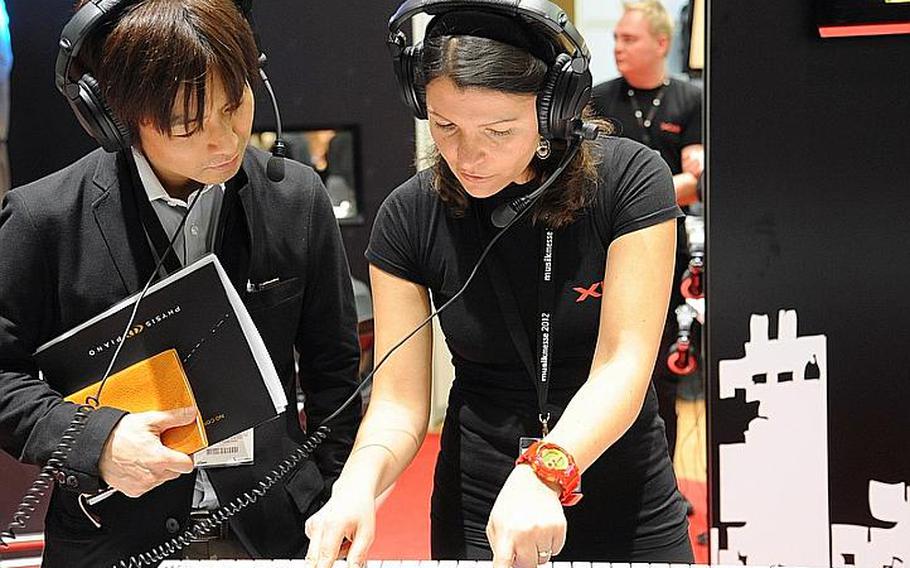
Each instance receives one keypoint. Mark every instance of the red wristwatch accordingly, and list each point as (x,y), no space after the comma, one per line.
(553,464)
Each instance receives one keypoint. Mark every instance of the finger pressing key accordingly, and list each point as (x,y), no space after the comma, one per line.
(313,528)
(357,555)
(329,546)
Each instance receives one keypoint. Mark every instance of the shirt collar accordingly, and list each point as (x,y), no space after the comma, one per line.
(152,185)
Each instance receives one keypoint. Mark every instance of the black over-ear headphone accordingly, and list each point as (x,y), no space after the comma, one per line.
(80,87)
(567,88)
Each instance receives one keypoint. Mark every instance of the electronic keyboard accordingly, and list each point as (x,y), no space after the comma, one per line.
(422,564)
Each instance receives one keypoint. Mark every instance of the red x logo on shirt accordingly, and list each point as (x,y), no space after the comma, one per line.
(585,293)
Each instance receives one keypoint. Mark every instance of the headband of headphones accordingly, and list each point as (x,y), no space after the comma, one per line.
(540,16)
(502,29)
(80,88)
(538,26)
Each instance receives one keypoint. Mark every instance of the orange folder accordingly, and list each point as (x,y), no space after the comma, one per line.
(156,383)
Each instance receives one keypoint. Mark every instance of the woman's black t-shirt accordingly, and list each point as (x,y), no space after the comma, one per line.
(631,503)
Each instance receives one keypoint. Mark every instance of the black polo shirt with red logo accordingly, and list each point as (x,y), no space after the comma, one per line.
(676,122)
(630,494)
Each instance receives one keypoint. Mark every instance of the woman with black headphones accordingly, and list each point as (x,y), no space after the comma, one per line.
(554,341)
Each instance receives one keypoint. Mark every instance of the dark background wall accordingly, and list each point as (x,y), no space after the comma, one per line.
(809,167)
(327,62)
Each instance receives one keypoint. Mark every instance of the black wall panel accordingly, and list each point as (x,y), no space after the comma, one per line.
(809,189)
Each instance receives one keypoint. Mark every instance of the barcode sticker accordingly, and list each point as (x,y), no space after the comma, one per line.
(236,450)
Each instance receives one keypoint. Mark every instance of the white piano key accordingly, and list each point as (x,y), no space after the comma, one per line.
(21,563)
(300,563)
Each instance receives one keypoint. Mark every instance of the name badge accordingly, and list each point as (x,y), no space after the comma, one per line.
(236,450)
(525,442)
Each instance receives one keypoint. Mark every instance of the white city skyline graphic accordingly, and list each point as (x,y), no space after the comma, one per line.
(774,487)
(854,545)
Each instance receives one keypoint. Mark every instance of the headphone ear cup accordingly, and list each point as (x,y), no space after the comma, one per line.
(547,96)
(410,85)
(418,87)
(566,94)
(97,118)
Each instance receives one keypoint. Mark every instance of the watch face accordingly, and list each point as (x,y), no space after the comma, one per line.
(552,458)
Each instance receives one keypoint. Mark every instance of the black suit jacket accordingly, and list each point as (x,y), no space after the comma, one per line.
(72,245)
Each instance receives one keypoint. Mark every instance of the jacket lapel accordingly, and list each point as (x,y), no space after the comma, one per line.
(235,236)
(117,217)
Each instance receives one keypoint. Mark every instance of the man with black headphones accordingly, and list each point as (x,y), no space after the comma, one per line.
(165,87)
(552,345)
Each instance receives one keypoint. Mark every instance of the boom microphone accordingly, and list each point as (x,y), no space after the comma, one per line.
(275,168)
(505,213)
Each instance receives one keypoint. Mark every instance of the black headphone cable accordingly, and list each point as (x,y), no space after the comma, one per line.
(527,204)
(222,514)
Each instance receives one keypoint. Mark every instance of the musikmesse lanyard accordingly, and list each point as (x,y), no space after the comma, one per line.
(538,370)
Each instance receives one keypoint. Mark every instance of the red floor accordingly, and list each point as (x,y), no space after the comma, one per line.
(402,523)
(697,494)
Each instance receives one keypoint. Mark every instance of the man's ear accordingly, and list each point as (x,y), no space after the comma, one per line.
(142,124)
(663,43)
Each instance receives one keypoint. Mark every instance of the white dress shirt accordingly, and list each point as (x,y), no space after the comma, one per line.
(197,240)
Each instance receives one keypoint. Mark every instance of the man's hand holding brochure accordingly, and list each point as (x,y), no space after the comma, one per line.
(193,369)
